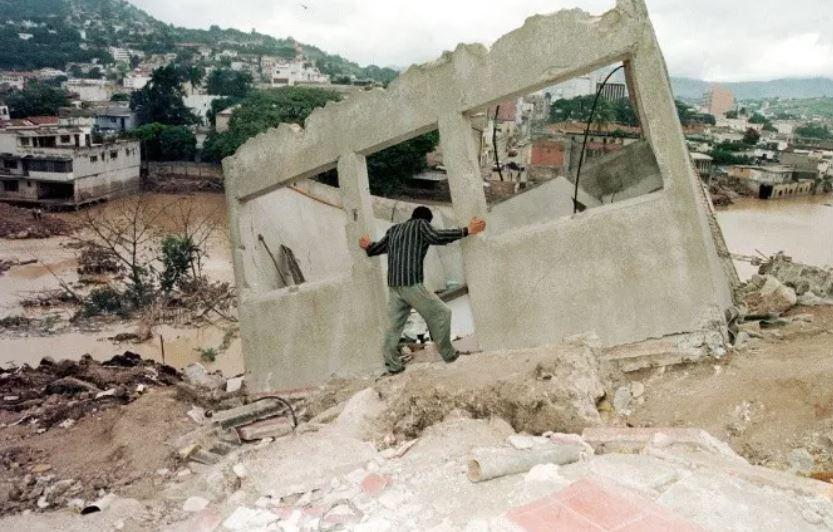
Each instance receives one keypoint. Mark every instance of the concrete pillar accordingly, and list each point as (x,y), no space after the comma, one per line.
(461,157)
(355,197)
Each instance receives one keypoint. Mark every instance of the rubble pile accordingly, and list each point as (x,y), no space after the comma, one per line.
(17,223)
(812,285)
(97,260)
(59,393)
(781,284)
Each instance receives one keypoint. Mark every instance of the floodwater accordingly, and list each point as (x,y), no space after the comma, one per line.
(801,227)
(57,260)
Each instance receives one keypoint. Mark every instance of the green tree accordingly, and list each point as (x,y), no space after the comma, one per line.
(227,82)
(161,142)
(262,110)
(161,100)
(731,114)
(814,131)
(751,137)
(388,169)
(36,98)
(758,118)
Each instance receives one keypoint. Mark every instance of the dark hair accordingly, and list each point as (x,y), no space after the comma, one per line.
(422,213)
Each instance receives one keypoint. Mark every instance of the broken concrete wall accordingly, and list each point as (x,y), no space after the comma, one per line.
(624,174)
(548,201)
(639,268)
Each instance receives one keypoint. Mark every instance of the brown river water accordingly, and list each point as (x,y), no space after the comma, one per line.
(801,227)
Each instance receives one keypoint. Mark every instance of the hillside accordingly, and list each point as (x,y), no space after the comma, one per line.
(754,90)
(79,30)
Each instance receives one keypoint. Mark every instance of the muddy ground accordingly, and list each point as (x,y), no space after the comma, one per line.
(766,400)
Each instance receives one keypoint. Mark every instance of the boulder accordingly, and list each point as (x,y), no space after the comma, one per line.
(768,296)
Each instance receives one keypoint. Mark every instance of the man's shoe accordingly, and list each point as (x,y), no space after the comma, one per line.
(391,372)
(456,356)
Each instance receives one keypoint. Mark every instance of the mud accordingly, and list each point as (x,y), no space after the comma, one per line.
(541,390)
(20,223)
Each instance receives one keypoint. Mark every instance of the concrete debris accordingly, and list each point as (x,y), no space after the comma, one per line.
(543,473)
(242,415)
(197,414)
(357,418)
(268,428)
(234,384)
(245,518)
(767,296)
(667,351)
(195,504)
(801,461)
(622,400)
(197,375)
(240,470)
(487,464)
(637,389)
(802,278)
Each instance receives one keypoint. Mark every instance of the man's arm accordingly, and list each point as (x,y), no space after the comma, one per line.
(374,248)
(441,237)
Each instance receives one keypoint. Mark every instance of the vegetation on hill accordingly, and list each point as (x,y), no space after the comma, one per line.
(814,131)
(614,112)
(57,38)
(34,100)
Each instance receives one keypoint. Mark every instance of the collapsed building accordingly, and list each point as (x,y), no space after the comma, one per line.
(639,262)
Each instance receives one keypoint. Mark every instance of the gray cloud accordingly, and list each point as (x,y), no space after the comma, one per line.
(721,40)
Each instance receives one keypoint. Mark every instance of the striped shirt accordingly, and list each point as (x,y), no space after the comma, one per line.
(406,245)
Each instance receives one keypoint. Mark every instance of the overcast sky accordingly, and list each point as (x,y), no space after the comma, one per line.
(716,40)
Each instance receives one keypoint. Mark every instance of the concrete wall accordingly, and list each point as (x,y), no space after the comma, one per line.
(639,268)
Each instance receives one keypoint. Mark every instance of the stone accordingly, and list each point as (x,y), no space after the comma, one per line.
(43,503)
(769,296)
(67,423)
(521,442)
(356,420)
(637,389)
(543,473)
(107,393)
(197,414)
(801,461)
(240,470)
(622,400)
(374,484)
(195,504)
(742,340)
(244,518)
(40,468)
(234,384)
(243,415)
(197,375)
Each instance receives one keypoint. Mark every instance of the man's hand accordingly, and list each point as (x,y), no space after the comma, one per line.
(364,242)
(476,225)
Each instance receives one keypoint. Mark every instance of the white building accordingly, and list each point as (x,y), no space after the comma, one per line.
(4,112)
(584,85)
(136,80)
(121,55)
(15,80)
(200,104)
(91,90)
(299,71)
(47,161)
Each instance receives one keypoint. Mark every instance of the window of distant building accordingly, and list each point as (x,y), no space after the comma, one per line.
(24,141)
(65,139)
(10,186)
(10,163)
(93,158)
(114,154)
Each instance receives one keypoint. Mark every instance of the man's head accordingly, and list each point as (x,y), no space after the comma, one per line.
(422,213)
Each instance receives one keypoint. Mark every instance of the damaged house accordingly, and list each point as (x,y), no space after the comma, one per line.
(639,262)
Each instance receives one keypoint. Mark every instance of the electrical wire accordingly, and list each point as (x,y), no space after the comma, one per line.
(587,133)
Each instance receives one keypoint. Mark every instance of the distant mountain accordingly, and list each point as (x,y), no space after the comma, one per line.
(50,33)
(689,88)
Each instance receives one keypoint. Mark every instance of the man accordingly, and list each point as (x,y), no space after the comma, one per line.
(406,245)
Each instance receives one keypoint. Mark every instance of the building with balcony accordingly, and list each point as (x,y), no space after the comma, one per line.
(51,162)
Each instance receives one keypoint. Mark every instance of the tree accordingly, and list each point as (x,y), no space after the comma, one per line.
(161,100)
(814,131)
(388,169)
(751,137)
(731,114)
(35,99)
(162,142)
(227,82)
(262,110)
(758,118)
